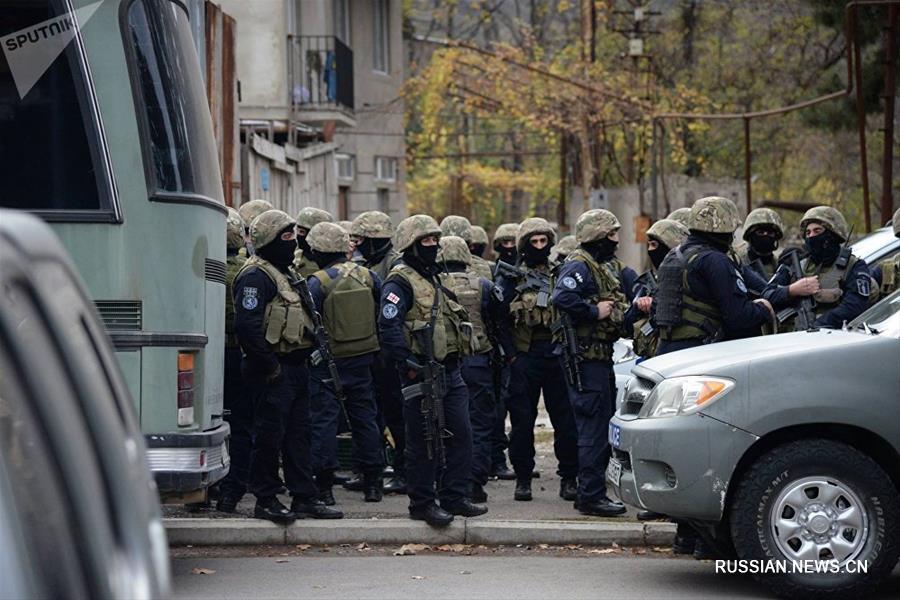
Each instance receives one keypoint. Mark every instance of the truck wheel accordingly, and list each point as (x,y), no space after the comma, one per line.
(817,500)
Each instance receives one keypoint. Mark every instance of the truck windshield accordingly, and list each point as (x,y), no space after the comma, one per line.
(883,318)
(176,124)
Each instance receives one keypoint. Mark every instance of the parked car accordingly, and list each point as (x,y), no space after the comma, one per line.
(79,509)
(878,245)
(781,447)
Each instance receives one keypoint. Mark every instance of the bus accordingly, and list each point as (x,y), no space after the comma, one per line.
(106,134)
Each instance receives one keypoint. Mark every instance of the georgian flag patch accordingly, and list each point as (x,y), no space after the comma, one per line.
(393,298)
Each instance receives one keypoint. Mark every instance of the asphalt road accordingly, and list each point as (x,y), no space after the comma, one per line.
(455,576)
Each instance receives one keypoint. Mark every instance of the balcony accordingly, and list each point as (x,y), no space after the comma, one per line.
(320,68)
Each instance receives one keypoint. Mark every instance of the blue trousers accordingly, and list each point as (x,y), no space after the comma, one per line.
(531,373)
(476,372)
(238,402)
(593,407)
(327,414)
(390,409)
(426,479)
(499,441)
(281,424)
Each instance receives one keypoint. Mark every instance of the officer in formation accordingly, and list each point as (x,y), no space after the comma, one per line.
(423,331)
(887,272)
(307,218)
(589,291)
(249,211)
(371,234)
(563,248)
(535,367)
(682,215)
(479,243)
(347,295)
(763,230)
(272,327)
(461,227)
(483,302)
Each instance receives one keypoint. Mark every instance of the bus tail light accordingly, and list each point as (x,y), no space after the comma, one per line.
(185,389)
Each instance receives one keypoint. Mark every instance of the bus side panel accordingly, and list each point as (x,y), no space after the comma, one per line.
(159,390)
(213,357)
(130,363)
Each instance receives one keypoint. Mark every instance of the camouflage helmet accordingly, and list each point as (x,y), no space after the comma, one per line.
(266,227)
(234,229)
(896,223)
(411,229)
(763,216)
(309,217)
(454,249)
(507,231)
(668,231)
(253,209)
(682,215)
(479,235)
(458,226)
(714,214)
(595,225)
(532,226)
(345,225)
(564,247)
(830,218)
(372,224)
(328,237)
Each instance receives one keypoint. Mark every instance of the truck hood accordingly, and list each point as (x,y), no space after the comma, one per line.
(713,359)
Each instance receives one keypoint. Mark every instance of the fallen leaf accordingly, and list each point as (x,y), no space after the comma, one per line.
(363,546)
(282,560)
(202,571)
(603,551)
(303,546)
(574,546)
(410,549)
(465,572)
(661,549)
(543,546)
(640,551)
(452,547)
(417,577)
(615,545)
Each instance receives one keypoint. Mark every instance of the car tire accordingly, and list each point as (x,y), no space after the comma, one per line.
(820,492)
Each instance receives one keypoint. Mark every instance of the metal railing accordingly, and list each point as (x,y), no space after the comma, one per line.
(321,73)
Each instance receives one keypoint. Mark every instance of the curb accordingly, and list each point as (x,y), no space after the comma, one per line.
(242,532)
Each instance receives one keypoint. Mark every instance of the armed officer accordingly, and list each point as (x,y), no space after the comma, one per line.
(307,218)
(346,295)
(535,367)
(273,330)
(763,230)
(589,292)
(887,273)
(237,403)
(682,215)
(841,283)
(371,232)
(563,248)
(461,227)
(422,330)
(479,243)
(249,211)
(483,302)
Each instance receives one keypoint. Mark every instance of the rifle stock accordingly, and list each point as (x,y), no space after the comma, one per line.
(806,316)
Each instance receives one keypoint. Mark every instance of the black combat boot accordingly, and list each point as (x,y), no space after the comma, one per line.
(432,514)
(504,473)
(685,539)
(523,490)
(314,508)
(325,482)
(355,484)
(649,515)
(271,509)
(397,485)
(478,495)
(568,489)
(374,482)
(602,507)
(465,508)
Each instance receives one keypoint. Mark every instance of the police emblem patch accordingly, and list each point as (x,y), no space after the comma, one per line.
(569,283)
(741,285)
(389,311)
(250,301)
(863,286)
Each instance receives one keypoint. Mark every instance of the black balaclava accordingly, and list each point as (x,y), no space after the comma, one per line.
(422,258)
(719,241)
(762,245)
(507,255)
(326,259)
(279,252)
(823,248)
(301,241)
(534,257)
(658,254)
(374,249)
(477,249)
(601,250)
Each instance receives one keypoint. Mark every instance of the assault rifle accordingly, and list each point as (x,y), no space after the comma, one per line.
(571,359)
(323,354)
(530,280)
(804,312)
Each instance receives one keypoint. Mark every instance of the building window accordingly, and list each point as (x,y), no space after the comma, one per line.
(384,201)
(386,168)
(381,35)
(346,166)
(342,20)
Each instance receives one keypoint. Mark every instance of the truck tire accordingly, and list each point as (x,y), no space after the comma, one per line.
(817,499)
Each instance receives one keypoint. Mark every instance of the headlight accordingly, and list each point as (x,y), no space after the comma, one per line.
(683,396)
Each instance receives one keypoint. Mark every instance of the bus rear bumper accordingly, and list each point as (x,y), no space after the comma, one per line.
(188,462)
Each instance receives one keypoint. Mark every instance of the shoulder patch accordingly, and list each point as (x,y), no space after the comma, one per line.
(393,298)
(569,283)
(250,299)
(741,285)
(863,285)
(389,311)
(579,277)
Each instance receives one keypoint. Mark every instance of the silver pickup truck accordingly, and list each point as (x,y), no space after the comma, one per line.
(782,450)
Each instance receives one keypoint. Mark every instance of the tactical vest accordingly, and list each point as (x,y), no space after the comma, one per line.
(595,338)
(678,313)
(383,267)
(287,325)
(890,275)
(348,310)
(531,322)
(449,335)
(467,289)
(482,268)
(233,265)
(645,336)
(302,266)
(831,281)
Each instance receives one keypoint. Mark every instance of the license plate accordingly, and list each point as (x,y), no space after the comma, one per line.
(615,435)
(614,472)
